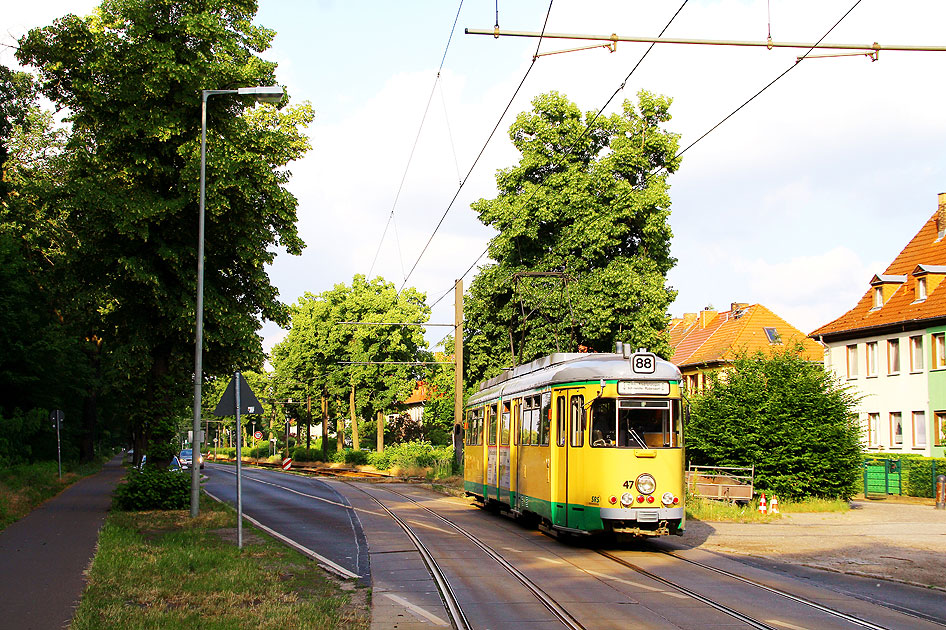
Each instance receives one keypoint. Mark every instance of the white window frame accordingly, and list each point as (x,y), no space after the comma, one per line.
(871,357)
(916,354)
(896,418)
(851,353)
(893,367)
(938,346)
(873,430)
(919,429)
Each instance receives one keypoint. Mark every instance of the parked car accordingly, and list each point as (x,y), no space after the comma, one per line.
(174,466)
(187,458)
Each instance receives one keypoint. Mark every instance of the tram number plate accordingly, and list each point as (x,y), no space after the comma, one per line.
(644,363)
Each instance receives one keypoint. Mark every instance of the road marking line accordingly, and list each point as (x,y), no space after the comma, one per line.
(324,562)
(783,624)
(553,561)
(417,610)
(637,584)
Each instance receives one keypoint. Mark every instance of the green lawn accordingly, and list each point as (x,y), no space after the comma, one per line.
(160,569)
(25,486)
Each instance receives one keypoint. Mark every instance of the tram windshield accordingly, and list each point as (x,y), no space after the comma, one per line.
(635,423)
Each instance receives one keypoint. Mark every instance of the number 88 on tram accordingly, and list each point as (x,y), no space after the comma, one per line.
(585,443)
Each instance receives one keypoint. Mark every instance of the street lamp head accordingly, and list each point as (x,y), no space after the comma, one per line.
(267,94)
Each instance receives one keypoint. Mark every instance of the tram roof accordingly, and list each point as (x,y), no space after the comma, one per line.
(570,368)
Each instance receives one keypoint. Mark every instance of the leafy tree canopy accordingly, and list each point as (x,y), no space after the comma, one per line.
(318,343)
(589,200)
(789,418)
(130,77)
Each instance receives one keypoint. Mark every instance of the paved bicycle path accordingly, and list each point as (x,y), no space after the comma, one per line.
(43,556)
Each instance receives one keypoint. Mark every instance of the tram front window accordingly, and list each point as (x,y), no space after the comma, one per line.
(629,423)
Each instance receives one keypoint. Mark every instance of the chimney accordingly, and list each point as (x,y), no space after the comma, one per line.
(706,316)
(941,215)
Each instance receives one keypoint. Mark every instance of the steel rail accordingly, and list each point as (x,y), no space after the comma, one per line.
(801,600)
(560,613)
(457,616)
(875,47)
(732,612)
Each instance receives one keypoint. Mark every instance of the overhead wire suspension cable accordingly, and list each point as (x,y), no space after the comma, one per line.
(480,154)
(414,147)
(587,128)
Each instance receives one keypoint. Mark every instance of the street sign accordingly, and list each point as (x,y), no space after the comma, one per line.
(287,463)
(249,404)
(258,435)
(56,416)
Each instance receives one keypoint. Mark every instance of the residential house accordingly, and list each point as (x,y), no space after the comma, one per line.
(708,341)
(891,347)
(413,405)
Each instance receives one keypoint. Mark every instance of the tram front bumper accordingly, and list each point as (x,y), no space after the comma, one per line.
(642,521)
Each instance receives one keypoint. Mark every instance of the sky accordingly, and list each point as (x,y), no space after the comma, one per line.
(795,202)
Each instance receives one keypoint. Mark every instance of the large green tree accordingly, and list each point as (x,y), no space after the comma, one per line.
(130,77)
(318,344)
(788,418)
(588,201)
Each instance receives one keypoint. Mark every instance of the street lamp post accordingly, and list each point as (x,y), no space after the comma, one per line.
(266,94)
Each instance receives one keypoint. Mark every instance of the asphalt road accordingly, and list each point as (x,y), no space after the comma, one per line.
(311,515)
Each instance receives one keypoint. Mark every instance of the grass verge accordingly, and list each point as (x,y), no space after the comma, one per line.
(25,486)
(723,511)
(163,569)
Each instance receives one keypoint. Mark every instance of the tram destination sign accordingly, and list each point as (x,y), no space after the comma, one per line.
(652,388)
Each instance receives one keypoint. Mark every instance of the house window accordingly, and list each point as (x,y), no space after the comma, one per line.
(919,429)
(893,356)
(872,358)
(692,383)
(873,429)
(920,289)
(896,429)
(878,297)
(852,361)
(916,353)
(772,335)
(939,351)
(939,428)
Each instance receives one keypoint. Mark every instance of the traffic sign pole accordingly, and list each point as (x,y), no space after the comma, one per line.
(57,416)
(239,458)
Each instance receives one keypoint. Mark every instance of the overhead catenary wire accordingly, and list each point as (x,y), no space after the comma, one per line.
(480,154)
(587,128)
(414,147)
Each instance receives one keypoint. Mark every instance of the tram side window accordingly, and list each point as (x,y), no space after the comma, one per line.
(491,427)
(530,421)
(578,421)
(471,423)
(603,423)
(560,421)
(517,424)
(504,428)
(545,419)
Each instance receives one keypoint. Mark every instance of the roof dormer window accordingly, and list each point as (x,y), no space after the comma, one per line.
(878,297)
(772,335)
(884,286)
(920,289)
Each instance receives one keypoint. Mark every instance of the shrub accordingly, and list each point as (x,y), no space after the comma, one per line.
(356,458)
(154,489)
(336,457)
(418,454)
(303,454)
(919,476)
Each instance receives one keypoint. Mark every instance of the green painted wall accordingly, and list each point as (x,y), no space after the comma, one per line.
(937,389)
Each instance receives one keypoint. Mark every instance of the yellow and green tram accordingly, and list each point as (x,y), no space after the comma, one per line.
(586,443)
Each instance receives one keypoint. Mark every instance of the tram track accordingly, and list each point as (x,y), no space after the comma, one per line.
(808,602)
(556,610)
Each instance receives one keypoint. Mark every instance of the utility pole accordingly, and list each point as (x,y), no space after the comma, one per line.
(308,426)
(458,373)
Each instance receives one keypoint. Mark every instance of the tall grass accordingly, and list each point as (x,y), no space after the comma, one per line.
(157,570)
(724,511)
(25,486)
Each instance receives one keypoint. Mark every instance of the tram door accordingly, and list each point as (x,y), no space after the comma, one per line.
(492,432)
(505,417)
(560,461)
(575,486)
(515,429)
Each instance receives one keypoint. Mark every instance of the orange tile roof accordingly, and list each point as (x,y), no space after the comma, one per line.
(901,307)
(742,328)
(420,394)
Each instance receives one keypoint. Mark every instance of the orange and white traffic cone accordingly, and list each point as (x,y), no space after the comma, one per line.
(762,504)
(773,505)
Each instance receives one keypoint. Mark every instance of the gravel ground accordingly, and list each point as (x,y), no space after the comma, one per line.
(901,541)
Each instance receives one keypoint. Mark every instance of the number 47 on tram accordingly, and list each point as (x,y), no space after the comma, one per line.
(585,443)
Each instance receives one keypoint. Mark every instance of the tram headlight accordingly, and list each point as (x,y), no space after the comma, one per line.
(646,484)
(667,498)
(626,499)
